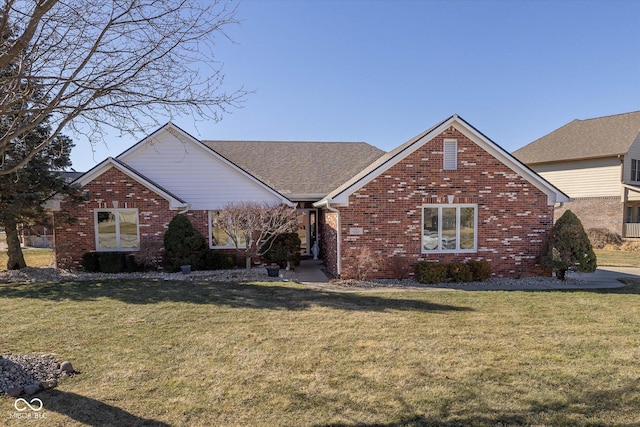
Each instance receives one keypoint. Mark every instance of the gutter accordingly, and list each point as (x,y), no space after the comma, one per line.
(327,205)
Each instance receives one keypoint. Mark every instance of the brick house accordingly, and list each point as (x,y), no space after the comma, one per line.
(448,194)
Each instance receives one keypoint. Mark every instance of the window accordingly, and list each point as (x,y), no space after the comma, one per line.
(449,228)
(219,238)
(117,229)
(635,170)
(450,157)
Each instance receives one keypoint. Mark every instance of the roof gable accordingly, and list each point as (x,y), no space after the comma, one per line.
(200,175)
(583,139)
(175,202)
(340,196)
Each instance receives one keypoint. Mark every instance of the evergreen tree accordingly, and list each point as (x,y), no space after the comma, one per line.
(183,245)
(568,246)
(24,192)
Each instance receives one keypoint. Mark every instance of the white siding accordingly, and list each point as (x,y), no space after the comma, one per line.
(584,178)
(194,174)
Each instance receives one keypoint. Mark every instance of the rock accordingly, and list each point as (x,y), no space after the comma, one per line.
(67,368)
(14,392)
(48,384)
(32,388)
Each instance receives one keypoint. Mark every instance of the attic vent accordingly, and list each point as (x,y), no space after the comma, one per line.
(450,149)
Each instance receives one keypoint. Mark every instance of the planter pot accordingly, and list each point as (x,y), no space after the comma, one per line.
(186,269)
(273,270)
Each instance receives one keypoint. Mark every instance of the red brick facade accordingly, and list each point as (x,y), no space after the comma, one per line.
(385,215)
(154,215)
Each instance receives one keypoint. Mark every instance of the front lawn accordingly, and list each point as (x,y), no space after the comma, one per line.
(277,354)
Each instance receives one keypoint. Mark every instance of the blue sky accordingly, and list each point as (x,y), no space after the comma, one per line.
(384,71)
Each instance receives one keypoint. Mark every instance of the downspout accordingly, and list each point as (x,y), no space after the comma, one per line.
(338,244)
(185,209)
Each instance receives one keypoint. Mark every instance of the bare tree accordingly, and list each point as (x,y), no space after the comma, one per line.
(253,226)
(116,64)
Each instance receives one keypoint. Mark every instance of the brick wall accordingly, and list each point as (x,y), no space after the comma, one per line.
(154,215)
(385,216)
(328,232)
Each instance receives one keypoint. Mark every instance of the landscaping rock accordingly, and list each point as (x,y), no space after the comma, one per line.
(66,368)
(21,373)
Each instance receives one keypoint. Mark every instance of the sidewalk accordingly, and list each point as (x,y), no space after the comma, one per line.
(310,271)
(607,277)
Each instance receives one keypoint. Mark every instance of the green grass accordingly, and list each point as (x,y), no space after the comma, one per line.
(200,354)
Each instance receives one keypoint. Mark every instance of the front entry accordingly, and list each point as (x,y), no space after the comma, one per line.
(307,229)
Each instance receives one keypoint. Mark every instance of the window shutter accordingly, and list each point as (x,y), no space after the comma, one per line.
(450,154)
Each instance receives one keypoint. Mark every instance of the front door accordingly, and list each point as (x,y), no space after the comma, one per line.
(307,229)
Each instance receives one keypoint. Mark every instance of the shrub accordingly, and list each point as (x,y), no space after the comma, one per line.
(285,247)
(149,256)
(112,262)
(480,270)
(600,237)
(431,272)
(459,272)
(91,262)
(365,261)
(568,247)
(220,260)
(183,245)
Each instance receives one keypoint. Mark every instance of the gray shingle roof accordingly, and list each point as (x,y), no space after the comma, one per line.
(303,169)
(583,139)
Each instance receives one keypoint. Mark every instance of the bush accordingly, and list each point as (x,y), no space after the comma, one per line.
(459,272)
(480,270)
(431,272)
(91,262)
(183,245)
(600,237)
(112,262)
(109,262)
(220,260)
(285,247)
(149,256)
(568,247)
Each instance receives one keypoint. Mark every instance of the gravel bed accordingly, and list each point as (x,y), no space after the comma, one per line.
(22,374)
(50,274)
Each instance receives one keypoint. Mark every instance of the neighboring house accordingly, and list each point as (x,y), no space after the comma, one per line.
(596,162)
(448,194)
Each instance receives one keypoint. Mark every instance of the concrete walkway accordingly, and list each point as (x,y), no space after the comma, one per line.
(310,271)
(607,277)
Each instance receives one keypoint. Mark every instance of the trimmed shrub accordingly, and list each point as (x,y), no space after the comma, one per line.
(431,272)
(183,245)
(220,260)
(112,262)
(91,262)
(480,270)
(568,247)
(459,272)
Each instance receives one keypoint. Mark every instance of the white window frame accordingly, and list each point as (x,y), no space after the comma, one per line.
(450,154)
(230,244)
(116,212)
(440,249)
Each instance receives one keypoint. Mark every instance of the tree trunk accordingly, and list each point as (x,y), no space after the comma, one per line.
(14,251)
(248,262)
